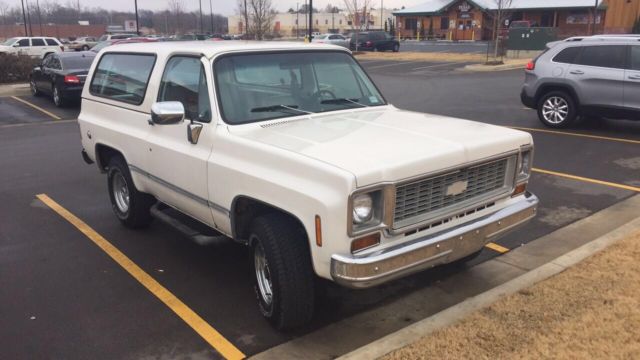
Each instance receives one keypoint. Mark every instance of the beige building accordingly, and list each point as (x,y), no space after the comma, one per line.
(286,24)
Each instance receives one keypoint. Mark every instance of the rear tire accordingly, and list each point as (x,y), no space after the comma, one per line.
(85,48)
(283,274)
(131,206)
(557,109)
(58,98)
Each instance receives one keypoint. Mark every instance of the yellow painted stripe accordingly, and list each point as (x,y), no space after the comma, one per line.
(496,247)
(37,108)
(206,331)
(593,181)
(576,134)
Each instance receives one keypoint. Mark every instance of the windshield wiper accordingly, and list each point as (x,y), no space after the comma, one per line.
(280,108)
(343,101)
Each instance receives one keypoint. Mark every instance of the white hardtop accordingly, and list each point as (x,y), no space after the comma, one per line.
(212,48)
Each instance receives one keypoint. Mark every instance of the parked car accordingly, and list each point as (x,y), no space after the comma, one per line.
(104,44)
(374,41)
(333,39)
(584,78)
(83,43)
(190,37)
(109,37)
(62,76)
(32,46)
(302,160)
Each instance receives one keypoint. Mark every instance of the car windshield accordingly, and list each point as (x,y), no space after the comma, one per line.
(81,62)
(100,46)
(8,42)
(257,87)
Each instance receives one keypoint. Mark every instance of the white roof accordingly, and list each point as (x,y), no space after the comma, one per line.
(212,48)
(434,6)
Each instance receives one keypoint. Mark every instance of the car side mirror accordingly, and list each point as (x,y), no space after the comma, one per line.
(15,45)
(167,113)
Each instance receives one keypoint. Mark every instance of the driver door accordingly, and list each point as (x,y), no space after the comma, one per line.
(177,165)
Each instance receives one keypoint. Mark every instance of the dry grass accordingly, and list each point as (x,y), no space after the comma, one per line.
(591,311)
(422,56)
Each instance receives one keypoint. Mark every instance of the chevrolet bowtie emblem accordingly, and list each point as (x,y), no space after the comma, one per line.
(457,188)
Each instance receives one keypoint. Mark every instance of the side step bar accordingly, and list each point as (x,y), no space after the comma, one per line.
(159,212)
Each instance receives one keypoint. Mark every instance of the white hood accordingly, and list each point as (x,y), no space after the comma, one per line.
(386,144)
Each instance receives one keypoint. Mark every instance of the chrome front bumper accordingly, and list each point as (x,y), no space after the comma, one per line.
(432,250)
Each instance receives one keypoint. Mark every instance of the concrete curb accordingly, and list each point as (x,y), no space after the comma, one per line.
(20,89)
(418,330)
(488,68)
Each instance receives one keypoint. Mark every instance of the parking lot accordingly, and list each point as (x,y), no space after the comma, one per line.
(61,296)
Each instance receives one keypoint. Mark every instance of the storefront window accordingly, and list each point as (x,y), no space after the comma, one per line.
(444,23)
(411,24)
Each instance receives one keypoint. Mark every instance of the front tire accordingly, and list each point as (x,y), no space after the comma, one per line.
(131,206)
(58,98)
(33,87)
(557,109)
(396,47)
(284,279)
(85,48)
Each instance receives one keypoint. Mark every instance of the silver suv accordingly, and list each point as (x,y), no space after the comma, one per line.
(587,78)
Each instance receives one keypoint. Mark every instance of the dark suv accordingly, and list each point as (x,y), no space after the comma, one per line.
(374,41)
(589,77)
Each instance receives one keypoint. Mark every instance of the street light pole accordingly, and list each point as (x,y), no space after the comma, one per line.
(595,12)
(24,17)
(297,20)
(211,13)
(39,17)
(381,15)
(310,19)
(201,29)
(135,2)
(29,19)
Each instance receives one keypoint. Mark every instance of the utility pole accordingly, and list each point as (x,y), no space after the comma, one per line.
(201,29)
(29,19)
(310,19)
(595,12)
(246,20)
(39,17)
(211,14)
(24,17)
(381,15)
(135,2)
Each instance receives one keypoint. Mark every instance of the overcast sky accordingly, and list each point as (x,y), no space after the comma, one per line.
(225,7)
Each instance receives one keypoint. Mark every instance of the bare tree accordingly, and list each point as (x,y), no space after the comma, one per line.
(262,14)
(4,8)
(176,8)
(357,12)
(501,7)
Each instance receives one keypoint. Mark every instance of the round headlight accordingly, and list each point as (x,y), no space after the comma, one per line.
(362,208)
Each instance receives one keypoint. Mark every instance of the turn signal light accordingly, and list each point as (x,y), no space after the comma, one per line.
(520,188)
(531,65)
(318,231)
(365,242)
(71,79)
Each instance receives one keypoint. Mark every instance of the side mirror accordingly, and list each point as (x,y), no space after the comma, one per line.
(167,113)
(15,44)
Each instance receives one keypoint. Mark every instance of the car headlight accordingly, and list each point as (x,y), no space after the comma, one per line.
(366,211)
(362,208)
(525,164)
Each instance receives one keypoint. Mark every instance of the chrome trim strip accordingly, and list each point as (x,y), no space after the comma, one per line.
(180,191)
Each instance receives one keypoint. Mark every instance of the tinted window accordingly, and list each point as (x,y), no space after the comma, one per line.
(568,55)
(184,80)
(23,42)
(52,42)
(77,62)
(47,60)
(37,42)
(122,77)
(635,58)
(54,63)
(609,56)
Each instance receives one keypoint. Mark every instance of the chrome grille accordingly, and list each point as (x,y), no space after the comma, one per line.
(416,199)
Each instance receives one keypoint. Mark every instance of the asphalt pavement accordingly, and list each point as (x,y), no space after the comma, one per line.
(62,297)
(478,47)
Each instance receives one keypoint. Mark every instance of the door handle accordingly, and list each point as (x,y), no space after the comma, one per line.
(576,72)
(634,77)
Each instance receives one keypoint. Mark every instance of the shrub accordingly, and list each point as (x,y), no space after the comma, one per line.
(16,68)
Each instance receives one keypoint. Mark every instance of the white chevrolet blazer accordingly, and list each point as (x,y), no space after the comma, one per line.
(291,150)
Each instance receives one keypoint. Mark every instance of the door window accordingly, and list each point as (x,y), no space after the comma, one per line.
(23,43)
(55,63)
(184,80)
(37,42)
(607,56)
(122,77)
(635,58)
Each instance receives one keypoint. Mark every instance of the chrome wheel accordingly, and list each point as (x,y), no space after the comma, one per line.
(32,86)
(120,192)
(263,274)
(56,96)
(555,110)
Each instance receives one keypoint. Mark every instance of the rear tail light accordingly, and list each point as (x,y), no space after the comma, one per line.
(71,79)
(531,65)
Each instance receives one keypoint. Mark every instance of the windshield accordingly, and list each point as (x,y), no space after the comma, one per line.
(82,62)
(8,42)
(100,46)
(259,87)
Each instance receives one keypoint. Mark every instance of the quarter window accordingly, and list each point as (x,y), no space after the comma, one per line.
(184,80)
(37,42)
(635,57)
(52,42)
(607,56)
(122,77)
(568,55)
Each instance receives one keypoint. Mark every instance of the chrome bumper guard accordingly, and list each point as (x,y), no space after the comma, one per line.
(429,251)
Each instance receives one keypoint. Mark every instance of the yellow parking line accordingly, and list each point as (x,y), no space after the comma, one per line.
(593,181)
(496,247)
(37,108)
(576,134)
(206,331)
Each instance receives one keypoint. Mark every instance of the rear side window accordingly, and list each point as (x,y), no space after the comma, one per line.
(52,42)
(122,77)
(37,42)
(607,56)
(184,80)
(568,55)
(635,58)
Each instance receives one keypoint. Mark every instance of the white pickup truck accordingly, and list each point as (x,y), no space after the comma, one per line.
(291,150)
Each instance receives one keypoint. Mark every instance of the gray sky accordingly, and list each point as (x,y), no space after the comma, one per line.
(225,7)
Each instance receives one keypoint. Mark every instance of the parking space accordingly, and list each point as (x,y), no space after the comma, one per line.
(66,295)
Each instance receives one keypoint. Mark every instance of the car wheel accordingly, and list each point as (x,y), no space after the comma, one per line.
(58,98)
(283,275)
(396,47)
(85,48)
(557,109)
(131,206)
(33,87)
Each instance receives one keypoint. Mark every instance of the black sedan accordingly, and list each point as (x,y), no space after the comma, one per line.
(62,76)
(374,41)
